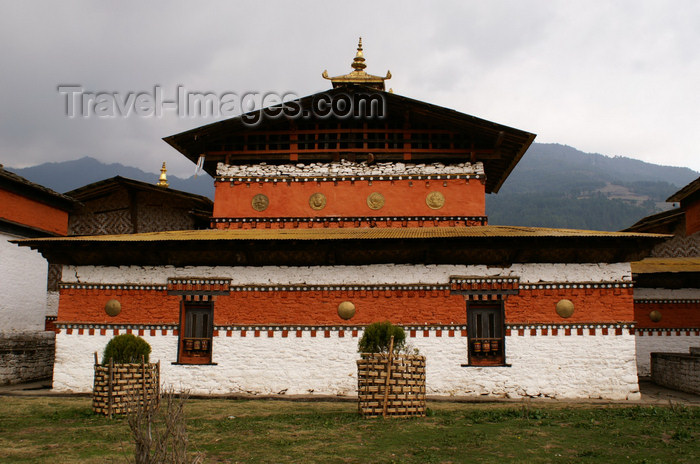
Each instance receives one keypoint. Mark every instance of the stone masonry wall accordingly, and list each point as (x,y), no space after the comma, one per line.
(662,340)
(680,371)
(26,357)
(346,168)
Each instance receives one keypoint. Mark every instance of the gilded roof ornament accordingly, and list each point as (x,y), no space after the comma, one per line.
(358,75)
(163,179)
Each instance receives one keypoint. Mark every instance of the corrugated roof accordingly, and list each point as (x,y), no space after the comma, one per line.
(661,265)
(347,234)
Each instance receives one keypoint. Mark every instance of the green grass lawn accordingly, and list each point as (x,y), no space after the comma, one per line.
(64,430)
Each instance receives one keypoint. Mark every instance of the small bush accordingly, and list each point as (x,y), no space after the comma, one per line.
(126,348)
(377,337)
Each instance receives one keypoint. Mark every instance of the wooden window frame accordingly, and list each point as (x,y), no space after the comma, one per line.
(195,350)
(480,350)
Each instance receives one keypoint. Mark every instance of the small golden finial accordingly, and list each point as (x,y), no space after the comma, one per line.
(358,64)
(358,74)
(163,179)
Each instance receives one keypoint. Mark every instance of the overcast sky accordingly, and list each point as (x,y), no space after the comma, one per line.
(617,78)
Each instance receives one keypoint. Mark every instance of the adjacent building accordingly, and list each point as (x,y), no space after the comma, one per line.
(27,210)
(667,283)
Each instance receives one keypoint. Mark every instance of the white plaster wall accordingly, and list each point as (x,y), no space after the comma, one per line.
(666,293)
(658,341)
(581,366)
(346,168)
(337,275)
(52,303)
(549,366)
(23,274)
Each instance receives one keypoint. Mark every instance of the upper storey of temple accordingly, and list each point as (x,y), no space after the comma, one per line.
(354,155)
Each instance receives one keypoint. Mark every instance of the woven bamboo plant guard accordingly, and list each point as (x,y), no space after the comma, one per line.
(391,385)
(119,386)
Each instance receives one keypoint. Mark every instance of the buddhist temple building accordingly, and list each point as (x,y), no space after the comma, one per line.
(343,208)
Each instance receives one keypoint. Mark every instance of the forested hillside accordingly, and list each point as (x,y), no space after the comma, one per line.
(559,186)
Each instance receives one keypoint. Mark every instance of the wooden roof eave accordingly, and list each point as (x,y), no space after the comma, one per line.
(685,192)
(497,250)
(519,140)
(111,185)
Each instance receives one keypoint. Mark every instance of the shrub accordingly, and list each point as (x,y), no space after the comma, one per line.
(126,348)
(377,337)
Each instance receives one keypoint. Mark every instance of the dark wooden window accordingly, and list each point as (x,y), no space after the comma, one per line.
(485,332)
(196,329)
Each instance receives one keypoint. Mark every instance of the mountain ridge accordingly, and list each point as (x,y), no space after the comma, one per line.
(65,176)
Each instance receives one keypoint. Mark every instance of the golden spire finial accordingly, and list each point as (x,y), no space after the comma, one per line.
(163,179)
(358,74)
(358,64)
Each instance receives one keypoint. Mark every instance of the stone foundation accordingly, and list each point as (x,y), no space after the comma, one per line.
(650,341)
(679,371)
(26,357)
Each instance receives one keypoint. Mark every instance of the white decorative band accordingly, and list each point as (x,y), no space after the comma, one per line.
(94,286)
(198,281)
(575,285)
(484,280)
(687,331)
(407,328)
(370,178)
(401,287)
(338,288)
(481,219)
(666,301)
(584,325)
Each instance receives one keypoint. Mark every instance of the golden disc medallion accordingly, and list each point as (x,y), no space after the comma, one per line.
(375,200)
(317,201)
(435,200)
(260,202)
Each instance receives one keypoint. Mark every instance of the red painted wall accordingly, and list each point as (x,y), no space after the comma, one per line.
(349,199)
(310,308)
(137,306)
(692,218)
(22,210)
(673,315)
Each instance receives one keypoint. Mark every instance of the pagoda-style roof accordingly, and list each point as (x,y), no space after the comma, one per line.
(499,245)
(409,131)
